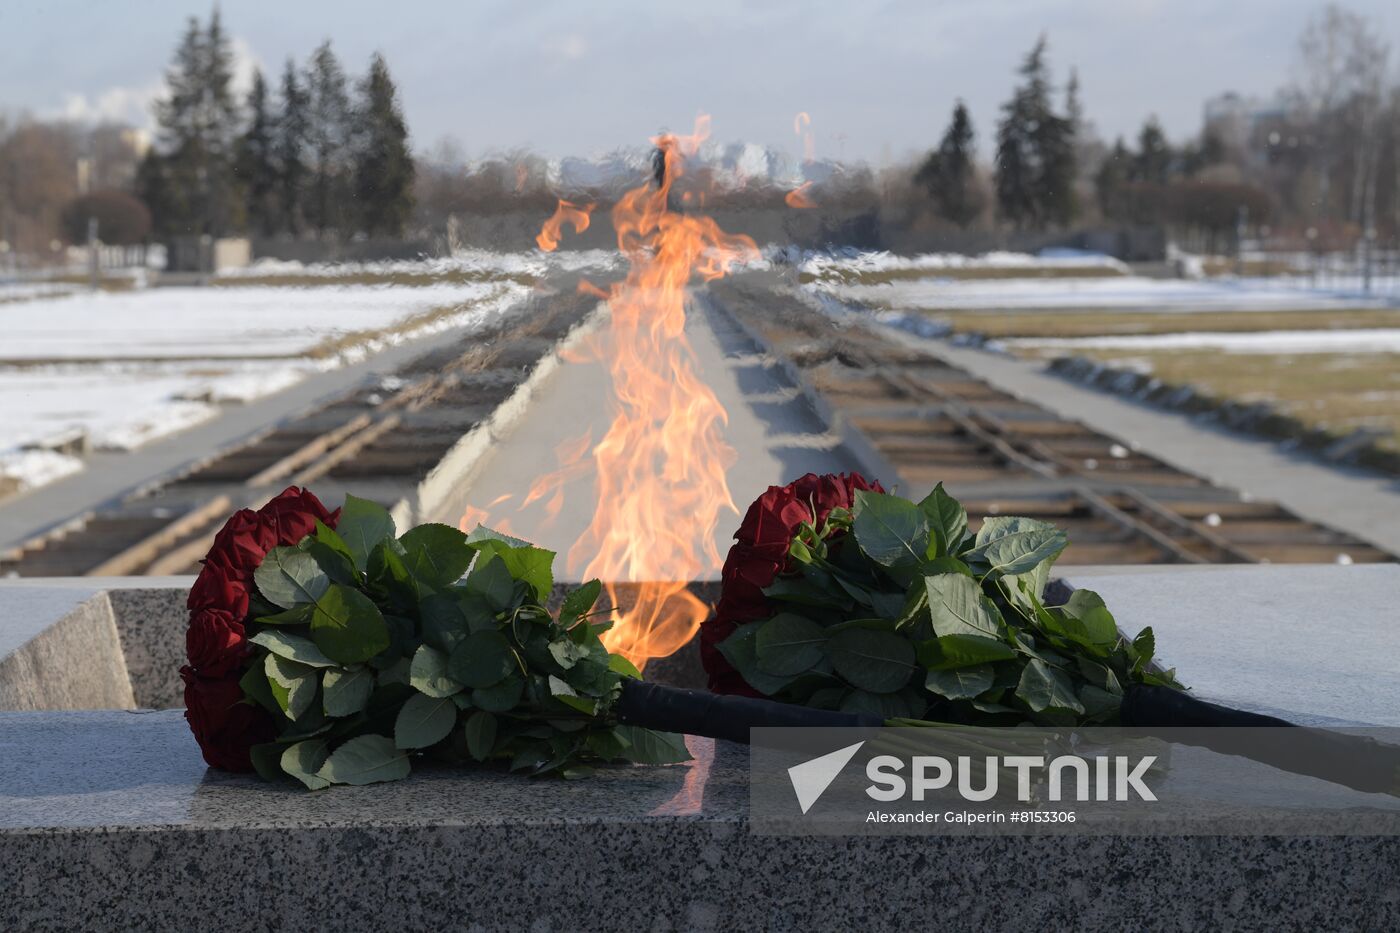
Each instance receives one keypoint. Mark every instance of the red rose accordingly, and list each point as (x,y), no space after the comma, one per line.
(225,725)
(293,514)
(217,588)
(242,543)
(214,642)
(760,554)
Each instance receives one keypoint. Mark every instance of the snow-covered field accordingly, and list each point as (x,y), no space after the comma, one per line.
(468,262)
(1117,293)
(1380,340)
(132,366)
(841,265)
(237,323)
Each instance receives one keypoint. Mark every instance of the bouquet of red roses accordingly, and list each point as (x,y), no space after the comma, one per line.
(840,596)
(327,647)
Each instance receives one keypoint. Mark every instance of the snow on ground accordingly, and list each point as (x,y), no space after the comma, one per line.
(164,323)
(1115,293)
(474,262)
(130,367)
(840,265)
(20,291)
(1277,341)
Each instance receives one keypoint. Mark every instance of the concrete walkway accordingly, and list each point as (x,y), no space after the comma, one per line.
(1362,503)
(109,476)
(778,436)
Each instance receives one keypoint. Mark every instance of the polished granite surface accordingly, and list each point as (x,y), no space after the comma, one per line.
(130,769)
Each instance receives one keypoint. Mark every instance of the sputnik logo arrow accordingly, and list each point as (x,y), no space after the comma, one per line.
(811,778)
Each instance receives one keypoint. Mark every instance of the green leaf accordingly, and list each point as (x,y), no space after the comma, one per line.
(947,522)
(1089,621)
(304,759)
(501,698)
(950,652)
(363,525)
(566,652)
(872,660)
(1099,702)
(292,647)
(579,602)
(436,554)
(649,747)
(788,644)
(332,540)
(957,606)
(344,693)
(1010,545)
(365,759)
(566,694)
(483,659)
(297,683)
(424,721)
(388,573)
(267,759)
(297,615)
(962,683)
(1043,687)
(481,734)
(255,686)
(481,533)
(444,625)
(1143,647)
(429,675)
(740,650)
(891,531)
(491,579)
(620,665)
(533,565)
(347,626)
(288,578)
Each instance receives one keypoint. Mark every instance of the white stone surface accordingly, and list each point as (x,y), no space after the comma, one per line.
(1318,644)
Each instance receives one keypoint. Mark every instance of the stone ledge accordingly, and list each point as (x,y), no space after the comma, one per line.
(119,826)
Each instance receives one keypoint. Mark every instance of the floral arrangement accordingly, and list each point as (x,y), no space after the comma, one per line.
(839,596)
(326,647)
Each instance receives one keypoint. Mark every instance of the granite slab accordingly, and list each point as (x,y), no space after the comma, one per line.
(108,820)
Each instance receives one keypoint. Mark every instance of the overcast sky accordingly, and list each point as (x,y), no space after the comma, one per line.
(878,79)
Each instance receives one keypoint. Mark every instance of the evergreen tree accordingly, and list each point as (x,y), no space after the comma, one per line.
(1109,182)
(948,173)
(1153,163)
(256,166)
(198,123)
(328,130)
(290,149)
(1035,152)
(383,165)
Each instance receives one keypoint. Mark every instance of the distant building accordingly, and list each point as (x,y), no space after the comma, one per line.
(1252,128)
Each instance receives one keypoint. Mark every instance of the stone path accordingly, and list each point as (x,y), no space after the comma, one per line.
(779,435)
(1362,503)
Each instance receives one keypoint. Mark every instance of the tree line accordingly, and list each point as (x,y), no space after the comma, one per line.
(1325,154)
(321,155)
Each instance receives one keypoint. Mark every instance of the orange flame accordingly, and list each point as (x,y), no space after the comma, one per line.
(566,213)
(798,198)
(802,126)
(661,465)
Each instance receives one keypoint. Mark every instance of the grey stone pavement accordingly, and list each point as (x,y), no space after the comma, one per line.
(1363,503)
(111,475)
(779,434)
